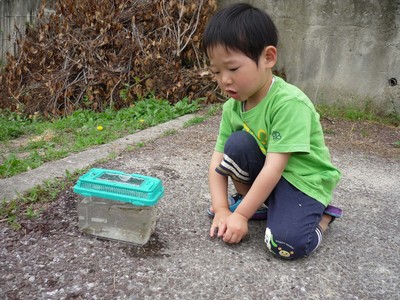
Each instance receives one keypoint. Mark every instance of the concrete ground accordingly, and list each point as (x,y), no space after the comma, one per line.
(358,259)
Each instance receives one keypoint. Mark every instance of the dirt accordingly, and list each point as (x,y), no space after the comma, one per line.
(369,137)
(362,137)
(58,223)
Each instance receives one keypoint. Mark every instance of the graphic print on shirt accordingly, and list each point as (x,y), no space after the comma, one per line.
(261,136)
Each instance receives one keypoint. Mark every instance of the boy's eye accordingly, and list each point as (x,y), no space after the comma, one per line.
(214,72)
(233,69)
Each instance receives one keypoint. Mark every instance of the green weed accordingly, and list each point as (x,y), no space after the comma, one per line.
(31,213)
(195,120)
(31,204)
(356,114)
(56,139)
(169,132)
(14,125)
(329,131)
(214,109)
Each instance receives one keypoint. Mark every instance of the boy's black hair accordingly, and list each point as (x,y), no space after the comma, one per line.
(241,27)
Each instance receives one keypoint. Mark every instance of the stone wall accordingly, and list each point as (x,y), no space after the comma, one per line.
(340,51)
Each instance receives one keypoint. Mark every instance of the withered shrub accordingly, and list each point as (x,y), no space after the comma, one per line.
(97,54)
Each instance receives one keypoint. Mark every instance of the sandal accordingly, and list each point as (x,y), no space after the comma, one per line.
(235,200)
(334,212)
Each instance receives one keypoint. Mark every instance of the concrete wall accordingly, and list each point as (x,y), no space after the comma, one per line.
(344,51)
(15,13)
(341,51)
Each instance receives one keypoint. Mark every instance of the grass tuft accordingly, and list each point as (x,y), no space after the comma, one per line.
(29,142)
(356,114)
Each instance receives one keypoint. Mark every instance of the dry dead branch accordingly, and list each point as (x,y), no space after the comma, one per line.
(99,54)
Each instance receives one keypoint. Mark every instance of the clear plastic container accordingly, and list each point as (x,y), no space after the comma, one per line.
(118,206)
(116,220)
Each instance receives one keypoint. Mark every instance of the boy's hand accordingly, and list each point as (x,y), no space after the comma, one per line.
(236,228)
(218,225)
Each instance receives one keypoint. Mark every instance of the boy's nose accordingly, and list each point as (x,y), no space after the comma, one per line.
(226,79)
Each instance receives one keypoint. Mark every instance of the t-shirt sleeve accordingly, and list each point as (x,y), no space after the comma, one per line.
(290,128)
(225,131)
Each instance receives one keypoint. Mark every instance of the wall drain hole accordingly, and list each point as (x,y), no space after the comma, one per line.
(392,81)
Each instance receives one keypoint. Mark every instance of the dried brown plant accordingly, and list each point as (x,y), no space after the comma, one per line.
(98,54)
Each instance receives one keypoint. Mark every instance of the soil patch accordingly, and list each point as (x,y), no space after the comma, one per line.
(362,137)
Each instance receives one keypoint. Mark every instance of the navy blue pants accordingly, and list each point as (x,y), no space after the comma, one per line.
(292,229)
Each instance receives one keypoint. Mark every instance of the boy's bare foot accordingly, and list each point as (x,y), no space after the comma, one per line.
(324,223)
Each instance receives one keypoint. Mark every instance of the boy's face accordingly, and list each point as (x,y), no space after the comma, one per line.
(239,76)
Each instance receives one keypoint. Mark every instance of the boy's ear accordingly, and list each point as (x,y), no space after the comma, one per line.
(270,56)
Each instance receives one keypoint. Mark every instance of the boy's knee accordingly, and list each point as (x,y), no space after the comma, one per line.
(287,246)
(238,142)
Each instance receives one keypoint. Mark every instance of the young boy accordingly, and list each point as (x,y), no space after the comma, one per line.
(270,141)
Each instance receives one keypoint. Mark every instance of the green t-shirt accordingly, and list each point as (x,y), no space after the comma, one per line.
(285,121)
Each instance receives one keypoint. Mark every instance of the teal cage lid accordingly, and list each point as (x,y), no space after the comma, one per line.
(116,185)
